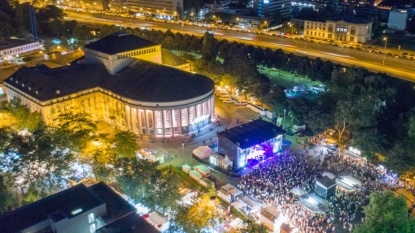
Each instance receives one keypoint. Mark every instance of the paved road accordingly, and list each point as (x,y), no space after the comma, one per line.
(399,67)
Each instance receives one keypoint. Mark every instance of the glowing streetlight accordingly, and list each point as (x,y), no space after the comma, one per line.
(384,51)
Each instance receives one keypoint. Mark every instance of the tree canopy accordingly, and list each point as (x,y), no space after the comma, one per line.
(386,213)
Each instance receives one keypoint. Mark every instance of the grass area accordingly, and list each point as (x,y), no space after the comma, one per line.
(285,79)
(238,214)
(187,178)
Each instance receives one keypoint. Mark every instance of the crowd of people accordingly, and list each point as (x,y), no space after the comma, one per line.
(271,183)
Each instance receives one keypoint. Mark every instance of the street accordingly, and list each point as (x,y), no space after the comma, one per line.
(399,67)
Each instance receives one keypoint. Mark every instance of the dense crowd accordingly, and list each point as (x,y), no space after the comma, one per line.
(272,181)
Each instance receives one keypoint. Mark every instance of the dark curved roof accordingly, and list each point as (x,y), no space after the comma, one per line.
(149,82)
(141,81)
(119,42)
(350,19)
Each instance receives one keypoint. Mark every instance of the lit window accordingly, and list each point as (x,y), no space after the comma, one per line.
(91,218)
(92,228)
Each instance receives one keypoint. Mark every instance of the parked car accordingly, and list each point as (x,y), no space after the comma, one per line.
(224,97)
(228,100)
(241,103)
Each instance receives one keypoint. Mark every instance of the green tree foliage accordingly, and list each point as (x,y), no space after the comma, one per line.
(34,158)
(7,200)
(200,217)
(14,111)
(125,143)
(141,180)
(250,226)
(386,213)
(209,47)
(78,127)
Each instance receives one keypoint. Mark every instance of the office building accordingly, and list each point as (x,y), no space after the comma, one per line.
(13,49)
(266,8)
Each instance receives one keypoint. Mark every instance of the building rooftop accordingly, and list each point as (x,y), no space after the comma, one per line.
(141,81)
(171,59)
(119,42)
(326,181)
(349,19)
(67,204)
(77,199)
(11,43)
(251,133)
(132,223)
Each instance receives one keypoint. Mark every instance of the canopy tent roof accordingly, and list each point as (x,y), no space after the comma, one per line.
(238,205)
(234,191)
(202,152)
(329,175)
(251,203)
(202,168)
(298,191)
(348,183)
(314,203)
(196,174)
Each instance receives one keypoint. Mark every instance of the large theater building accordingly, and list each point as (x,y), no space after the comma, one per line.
(120,81)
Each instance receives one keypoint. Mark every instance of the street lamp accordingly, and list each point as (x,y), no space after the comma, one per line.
(266,22)
(183,152)
(384,51)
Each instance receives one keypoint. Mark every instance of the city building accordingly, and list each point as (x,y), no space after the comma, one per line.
(347,29)
(120,81)
(13,49)
(397,19)
(162,9)
(266,8)
(248,141)
(78,209)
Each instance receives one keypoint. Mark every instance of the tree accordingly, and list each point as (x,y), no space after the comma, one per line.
(250,226)
(125,143)
(36,160)
(200,217)
(209,47)
(7,200)
(386,213)
(142,181)
(78,126)
(17,115)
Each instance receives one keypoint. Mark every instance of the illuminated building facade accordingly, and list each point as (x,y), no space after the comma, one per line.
(267,8)
(249,140)
(163,9)
(347,29)
(12,49)
(116,83)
